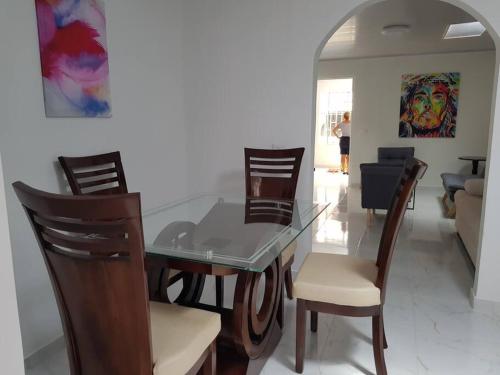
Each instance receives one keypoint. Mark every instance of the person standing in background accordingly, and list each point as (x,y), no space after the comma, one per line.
(343,131)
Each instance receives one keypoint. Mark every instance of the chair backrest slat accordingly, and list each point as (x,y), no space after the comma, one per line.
(94,252)
(413,171)
(272,173)
(96,174)
(259,210)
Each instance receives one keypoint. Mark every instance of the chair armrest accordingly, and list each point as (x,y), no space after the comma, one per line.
(474,186)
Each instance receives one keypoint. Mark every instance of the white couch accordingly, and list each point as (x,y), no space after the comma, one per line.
(468,204)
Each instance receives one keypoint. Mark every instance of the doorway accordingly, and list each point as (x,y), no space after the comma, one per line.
(334,103)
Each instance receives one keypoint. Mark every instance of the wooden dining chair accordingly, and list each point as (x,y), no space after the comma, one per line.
(103,174)
(95,174)
(274,174)
(351,286)
(93,249)
(271,174)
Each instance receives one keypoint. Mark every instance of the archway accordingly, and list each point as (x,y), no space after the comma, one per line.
(483,271)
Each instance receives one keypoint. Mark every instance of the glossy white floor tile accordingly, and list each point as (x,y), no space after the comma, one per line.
(430,326)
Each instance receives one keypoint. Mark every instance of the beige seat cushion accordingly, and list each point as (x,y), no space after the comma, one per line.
(338,279)
(180,335)
(288,253)
(468,221)
(474,186)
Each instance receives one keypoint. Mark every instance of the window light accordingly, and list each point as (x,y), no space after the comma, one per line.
(464,30)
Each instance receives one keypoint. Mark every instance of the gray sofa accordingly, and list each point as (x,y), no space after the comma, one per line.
(379,180)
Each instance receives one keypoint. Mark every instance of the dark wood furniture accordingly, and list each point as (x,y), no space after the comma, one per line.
(270,174)
(95,174)
(350,286)
(93,248)
(475,162)
(103,174)
(274,174)
(231,235)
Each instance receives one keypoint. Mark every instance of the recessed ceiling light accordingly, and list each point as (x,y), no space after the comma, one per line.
(395,29)
(464,30)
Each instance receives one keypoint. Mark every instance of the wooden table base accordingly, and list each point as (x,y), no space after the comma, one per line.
(249,334)
(229,362)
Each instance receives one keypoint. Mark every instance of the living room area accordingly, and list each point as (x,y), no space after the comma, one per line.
(401,77)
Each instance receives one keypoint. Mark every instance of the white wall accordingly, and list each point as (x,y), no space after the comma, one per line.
(375,118)
(146,72)
(11,351)
(249,81)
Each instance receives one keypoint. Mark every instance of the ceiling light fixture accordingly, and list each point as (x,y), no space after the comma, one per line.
(464,30)
(395,29)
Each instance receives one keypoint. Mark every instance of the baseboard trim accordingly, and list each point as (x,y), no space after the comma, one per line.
(482,305)
(466,255)
(35,358)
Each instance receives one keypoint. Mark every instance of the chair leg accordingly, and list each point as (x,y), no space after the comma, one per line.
(209,367)
(219,292)
(378,344)
(314,321)
(369,216)
(289,283)
(383,330)
(300,333)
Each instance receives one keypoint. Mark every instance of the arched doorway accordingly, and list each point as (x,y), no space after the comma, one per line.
(484,272)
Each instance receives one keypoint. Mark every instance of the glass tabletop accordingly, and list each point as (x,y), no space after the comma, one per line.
(231,231)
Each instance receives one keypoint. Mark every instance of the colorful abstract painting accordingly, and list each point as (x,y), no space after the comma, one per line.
(73,53)
(429,105)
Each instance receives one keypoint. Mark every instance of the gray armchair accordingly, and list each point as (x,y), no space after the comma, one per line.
(379,180)
(395,155)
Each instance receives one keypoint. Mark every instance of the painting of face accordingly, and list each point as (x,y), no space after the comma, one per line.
(74,58)
(429,105)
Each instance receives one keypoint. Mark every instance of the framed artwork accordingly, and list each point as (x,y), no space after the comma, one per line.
(429,105)
(74,58)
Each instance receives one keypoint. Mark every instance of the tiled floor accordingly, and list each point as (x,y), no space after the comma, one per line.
(431,328)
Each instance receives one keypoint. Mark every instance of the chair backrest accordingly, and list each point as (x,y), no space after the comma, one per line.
(96,174)
(413,171)
(395,153)
(93,249)
(272,173)
(258,210)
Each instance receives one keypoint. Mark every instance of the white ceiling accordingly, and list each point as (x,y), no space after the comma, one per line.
(361,35)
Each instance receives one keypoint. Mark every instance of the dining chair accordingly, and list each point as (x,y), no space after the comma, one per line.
(274,174)
(352,286)
(104,174)
(95,174)
(271,174)
(93,249)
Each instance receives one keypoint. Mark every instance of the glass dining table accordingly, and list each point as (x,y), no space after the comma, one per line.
(225,235)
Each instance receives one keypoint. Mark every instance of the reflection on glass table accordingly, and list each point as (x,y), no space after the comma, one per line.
(229,231)
(213,235)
